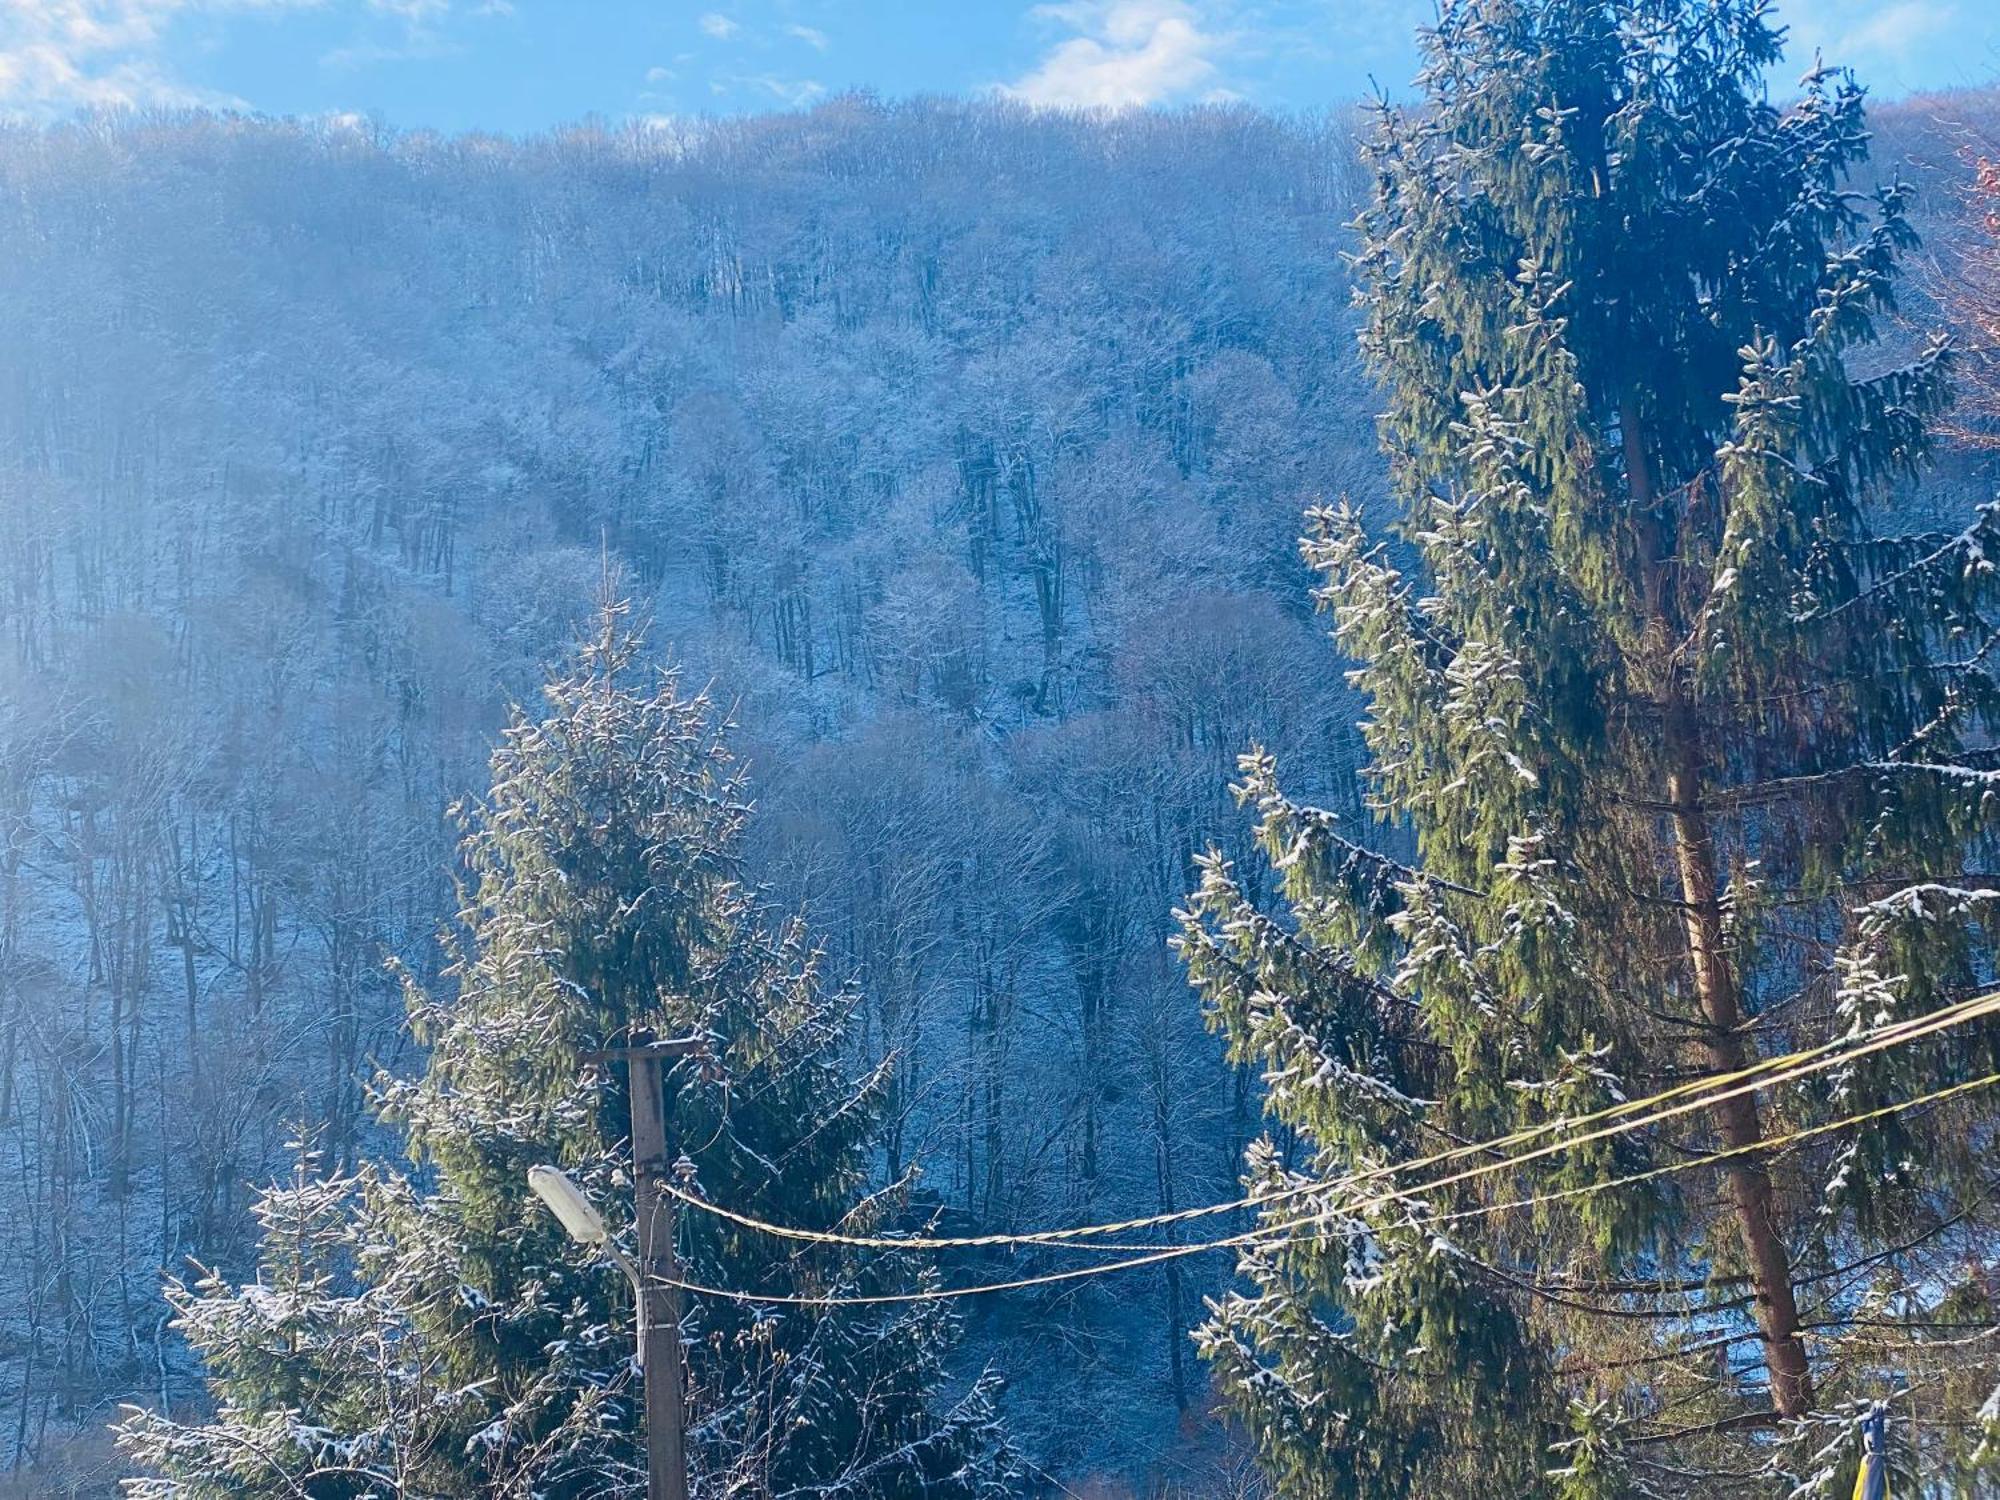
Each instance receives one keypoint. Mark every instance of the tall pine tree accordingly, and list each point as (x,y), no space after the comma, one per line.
(433,1333)
(1686,754)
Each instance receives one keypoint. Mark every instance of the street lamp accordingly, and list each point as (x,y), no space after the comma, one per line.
(655,1276)
(566,1201)
(587,1227)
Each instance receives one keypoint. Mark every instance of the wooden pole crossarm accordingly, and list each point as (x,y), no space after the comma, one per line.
(683,1046)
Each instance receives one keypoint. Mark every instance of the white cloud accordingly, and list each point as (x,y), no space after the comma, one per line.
(60,55)
(419,44)
(792,92)
(812,36)
(1127,54)
(714,23)
(1895,29)
(1866,35)
(421,33)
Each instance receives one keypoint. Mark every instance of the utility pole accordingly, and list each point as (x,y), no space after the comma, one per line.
(659,1300)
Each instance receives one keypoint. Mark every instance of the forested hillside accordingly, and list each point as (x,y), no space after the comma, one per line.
(963,448)
(964,451)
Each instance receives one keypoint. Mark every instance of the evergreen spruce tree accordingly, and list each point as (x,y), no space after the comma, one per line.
(433,1332)
(1686,751)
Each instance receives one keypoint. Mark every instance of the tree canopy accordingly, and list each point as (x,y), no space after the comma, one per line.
(1680,749)
(431,1331)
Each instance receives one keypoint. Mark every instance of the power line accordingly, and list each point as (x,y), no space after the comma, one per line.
(1772,1143)
(1278,1237)
(1903,1035)
(1783,1069)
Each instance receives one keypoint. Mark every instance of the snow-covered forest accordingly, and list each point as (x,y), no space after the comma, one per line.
(961,450)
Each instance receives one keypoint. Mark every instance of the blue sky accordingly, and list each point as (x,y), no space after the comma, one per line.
(520,65)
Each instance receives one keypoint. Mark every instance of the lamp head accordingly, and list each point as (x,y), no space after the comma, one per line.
(566,1201)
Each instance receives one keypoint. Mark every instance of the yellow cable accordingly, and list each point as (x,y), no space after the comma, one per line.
(1774,1143)
(1801,1064)
(1287,1234)
(1922,1026)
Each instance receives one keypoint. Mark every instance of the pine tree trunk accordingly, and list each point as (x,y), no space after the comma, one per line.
(1716,987)
(1736,1118)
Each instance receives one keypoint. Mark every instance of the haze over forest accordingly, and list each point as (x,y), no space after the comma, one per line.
(960,450)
